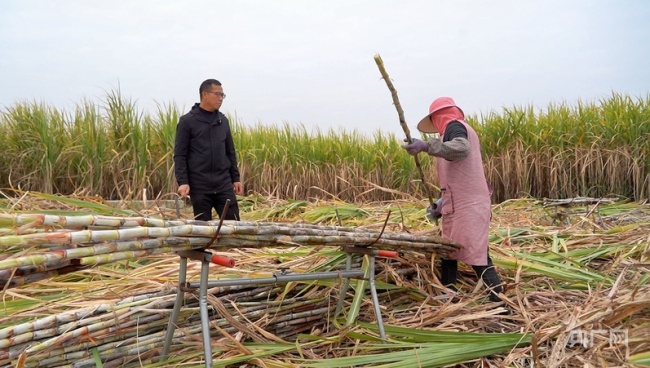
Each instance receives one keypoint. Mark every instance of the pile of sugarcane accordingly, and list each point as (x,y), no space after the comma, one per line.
(134,328)
(39,246)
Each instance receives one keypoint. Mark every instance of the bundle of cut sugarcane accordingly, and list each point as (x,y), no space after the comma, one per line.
(135,326)
(38,246)
(549,202)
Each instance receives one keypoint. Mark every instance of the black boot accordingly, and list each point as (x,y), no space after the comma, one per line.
(491,279)
(449,273)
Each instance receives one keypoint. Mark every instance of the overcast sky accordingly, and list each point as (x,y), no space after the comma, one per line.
(311,63)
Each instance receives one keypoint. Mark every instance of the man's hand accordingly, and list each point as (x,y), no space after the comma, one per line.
(435,212)
(184,190)
(416,146)
(239,188)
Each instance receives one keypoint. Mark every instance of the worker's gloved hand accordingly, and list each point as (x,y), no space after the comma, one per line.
(435,212)
(416,146)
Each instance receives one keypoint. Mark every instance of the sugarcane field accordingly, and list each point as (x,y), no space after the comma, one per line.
(334,262)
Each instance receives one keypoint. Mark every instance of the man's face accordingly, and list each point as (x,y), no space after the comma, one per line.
(213,98)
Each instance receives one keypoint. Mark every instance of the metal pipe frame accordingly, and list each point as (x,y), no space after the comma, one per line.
(204,283)
(180,295)
(278,278)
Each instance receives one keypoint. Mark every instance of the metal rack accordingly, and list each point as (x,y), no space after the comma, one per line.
(206,257)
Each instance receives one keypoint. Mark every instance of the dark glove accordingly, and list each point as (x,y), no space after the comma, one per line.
(416,146)
(435,212)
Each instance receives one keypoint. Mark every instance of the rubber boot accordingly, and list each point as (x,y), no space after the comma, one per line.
(491,279)
(449,273)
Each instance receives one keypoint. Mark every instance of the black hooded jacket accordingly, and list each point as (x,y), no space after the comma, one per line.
(204,152)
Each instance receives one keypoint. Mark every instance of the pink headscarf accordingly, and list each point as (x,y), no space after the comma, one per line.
(442,110)
(442,117)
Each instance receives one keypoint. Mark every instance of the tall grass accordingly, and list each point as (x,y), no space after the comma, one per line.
(37,138)
(291,162)
(89,150)
(591,149)
(114,150)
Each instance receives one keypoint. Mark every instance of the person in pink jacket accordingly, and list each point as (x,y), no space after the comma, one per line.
(465,205)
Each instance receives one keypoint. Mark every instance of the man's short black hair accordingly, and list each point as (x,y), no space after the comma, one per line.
(207,85)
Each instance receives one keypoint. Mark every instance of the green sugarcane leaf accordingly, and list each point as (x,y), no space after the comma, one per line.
(641,359)
(359,294)
(96,358)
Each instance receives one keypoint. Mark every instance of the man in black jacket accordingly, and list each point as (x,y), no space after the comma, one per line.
(205,161)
